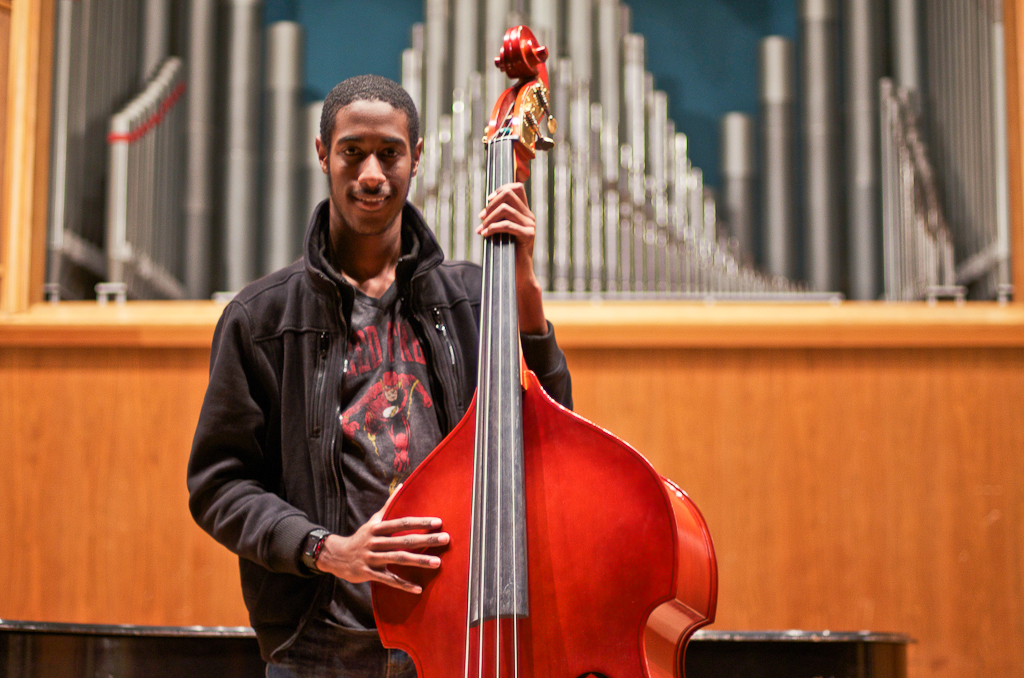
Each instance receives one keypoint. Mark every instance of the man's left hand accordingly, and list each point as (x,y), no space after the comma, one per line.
(507,211)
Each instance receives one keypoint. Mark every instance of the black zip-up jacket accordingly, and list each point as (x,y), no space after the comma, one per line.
(264,469)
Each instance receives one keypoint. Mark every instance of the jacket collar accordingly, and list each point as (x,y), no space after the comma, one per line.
(420,253)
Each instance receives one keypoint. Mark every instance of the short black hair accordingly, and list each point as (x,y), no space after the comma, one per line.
(368,88)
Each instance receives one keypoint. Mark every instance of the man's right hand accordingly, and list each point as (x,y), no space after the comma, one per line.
(366,554)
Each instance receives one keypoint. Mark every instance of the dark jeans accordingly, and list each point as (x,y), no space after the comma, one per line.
(328,651)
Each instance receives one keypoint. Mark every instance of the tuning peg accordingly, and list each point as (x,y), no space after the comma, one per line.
(543,143)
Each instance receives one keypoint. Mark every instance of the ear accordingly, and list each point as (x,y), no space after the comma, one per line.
(416,152)
(321,152)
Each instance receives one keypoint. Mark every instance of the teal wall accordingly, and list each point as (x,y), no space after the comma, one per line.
(703,53)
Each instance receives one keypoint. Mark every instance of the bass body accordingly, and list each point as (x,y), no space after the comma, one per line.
(569,555)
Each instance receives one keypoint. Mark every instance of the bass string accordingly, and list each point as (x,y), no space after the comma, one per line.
(499,312)
(509,307)
(480,457)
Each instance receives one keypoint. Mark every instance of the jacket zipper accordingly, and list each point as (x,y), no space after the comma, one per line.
(335,513)
(323,344)
(443,329)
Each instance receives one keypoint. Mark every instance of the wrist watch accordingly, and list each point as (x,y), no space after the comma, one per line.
(312,547)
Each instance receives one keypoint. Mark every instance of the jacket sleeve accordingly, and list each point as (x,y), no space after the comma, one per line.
(230,477)
(547,361)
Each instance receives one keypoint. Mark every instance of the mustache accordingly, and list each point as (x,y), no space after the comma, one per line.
(383,192)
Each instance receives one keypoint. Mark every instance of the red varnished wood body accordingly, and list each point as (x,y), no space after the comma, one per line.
(621,565)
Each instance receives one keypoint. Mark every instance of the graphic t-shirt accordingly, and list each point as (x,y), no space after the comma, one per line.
(389,425)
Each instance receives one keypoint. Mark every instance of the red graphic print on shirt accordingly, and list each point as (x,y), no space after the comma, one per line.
(386,407)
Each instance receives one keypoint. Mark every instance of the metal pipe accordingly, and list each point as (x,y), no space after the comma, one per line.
(656,230)
(862,71)
(541,186)
(412,81)
(65,23)
(635,101)
(579,23)
(777,193)
(820,143)
(461,136)
(544,20)
(284,135)
(889,193)
(595,229)
(906,44)
(436,96)
(443,225)
(680,204)
(316,184)
(643,252)
(1002,184)
(241,126)
(738,181)
(201,64)
(156,37)
(495,23)
(609,83)
(579,134)
(477,175)
(465,42)
(563,180)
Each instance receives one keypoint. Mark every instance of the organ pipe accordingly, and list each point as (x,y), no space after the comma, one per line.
(861,31)
(144,225)
(906,44)
(777,175)
(156,36)
(621,210)
(284,139)
(738,172)
(315,181)
(918,247)
(96,70)
(579,39)
(465,43)
(820,113)
(199,154)
(1004,287)
(412,81)
(242,133)
(966,116)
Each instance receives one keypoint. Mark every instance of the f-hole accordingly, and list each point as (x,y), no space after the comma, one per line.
(592,675)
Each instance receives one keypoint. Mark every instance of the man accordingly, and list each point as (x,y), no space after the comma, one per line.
(298,444)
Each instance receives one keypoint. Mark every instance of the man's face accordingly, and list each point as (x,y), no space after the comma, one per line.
(369,166)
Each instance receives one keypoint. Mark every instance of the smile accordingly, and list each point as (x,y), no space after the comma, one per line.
(368,202)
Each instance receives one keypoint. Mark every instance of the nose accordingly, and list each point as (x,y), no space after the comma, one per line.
(371,176)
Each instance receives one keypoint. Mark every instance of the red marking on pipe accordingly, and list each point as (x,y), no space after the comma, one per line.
(152,121)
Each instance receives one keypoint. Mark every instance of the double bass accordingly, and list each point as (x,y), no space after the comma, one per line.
(569,555)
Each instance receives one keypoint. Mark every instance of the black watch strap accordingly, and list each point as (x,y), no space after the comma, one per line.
(312,547)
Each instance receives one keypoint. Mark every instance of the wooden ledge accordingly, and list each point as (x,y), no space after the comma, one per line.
(737,325)
(152,324)
(579,325)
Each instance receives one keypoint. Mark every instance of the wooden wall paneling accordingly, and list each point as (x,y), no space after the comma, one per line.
(844,489)
(97,530)
(26,162)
